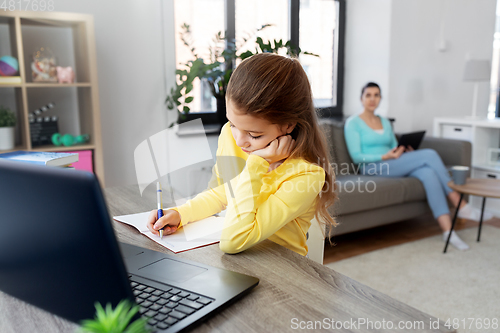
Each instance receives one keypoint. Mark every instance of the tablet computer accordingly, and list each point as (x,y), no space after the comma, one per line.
(411,139)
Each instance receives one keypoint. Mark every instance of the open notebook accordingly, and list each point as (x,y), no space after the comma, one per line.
(193,235)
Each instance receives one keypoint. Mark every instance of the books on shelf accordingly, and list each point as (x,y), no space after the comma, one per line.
(42,158)
(10,80)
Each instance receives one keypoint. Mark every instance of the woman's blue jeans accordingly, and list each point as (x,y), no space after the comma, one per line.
(423,164)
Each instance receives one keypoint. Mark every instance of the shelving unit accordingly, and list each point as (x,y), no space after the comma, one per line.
(80,110)
(483,134)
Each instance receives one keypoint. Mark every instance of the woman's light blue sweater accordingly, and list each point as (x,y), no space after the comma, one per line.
(364,144)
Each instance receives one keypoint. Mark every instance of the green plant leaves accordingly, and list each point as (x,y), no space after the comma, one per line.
(246,54)
(7,117)
(115,321)
(218,69)
(189,87)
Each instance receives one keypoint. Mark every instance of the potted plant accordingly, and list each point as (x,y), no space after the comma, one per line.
(115,321)
(7,123)
(217,70)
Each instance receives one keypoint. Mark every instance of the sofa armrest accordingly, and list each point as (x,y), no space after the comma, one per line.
(452,152)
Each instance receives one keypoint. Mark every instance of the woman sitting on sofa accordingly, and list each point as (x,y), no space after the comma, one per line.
(371,142)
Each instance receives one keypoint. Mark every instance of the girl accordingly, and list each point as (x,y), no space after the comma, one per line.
(370,139)
(287,178)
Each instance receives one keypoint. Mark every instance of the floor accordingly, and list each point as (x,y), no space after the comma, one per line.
(360,242)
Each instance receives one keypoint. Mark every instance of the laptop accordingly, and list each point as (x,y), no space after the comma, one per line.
(411,139)
(58,251)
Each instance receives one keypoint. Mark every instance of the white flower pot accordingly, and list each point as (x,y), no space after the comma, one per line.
(6,138)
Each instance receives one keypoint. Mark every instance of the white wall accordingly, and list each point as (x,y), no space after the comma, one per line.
(132,56)
(394,43)
(426,82)
(367,50)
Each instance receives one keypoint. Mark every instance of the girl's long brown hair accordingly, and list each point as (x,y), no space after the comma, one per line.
(276,88)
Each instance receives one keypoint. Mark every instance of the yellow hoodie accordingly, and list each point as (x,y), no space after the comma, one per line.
(277,205)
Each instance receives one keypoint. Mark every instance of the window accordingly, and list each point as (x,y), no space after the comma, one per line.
(205,18)
(315,26)
(320,16)
(249,16)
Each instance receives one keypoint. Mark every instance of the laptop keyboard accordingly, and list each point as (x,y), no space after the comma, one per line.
(166,306)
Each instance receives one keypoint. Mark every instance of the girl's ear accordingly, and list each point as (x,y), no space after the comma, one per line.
(288,128)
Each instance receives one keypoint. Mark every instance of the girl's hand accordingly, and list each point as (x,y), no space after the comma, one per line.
(170,221)
(409,148)
(394,153)
(277,150)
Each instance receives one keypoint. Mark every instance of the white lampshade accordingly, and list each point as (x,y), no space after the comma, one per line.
(477,70)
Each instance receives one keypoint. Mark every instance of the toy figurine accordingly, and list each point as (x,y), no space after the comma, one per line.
(65,74)
(43,67)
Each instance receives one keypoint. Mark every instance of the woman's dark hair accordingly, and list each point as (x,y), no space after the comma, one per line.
(369,85)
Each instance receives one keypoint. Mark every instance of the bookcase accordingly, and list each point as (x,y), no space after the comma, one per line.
(70,36)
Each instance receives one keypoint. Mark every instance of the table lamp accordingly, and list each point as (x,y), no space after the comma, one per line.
(476,71)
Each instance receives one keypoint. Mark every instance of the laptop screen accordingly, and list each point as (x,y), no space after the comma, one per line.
(58,250)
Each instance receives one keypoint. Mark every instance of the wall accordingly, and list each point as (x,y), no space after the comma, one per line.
(133,54)
(426,82)
(367,50)
(395,43)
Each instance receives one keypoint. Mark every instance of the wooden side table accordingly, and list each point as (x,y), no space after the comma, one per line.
(486,188)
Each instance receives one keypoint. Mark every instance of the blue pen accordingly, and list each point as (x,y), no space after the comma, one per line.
(160,208)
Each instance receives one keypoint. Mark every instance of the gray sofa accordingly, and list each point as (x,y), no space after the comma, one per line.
(370,201)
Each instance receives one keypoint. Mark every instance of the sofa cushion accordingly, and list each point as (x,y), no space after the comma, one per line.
(361,193)
(413,189)
(328,132)
(342,162)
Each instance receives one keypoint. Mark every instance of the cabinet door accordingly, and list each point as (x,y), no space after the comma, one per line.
(457,132)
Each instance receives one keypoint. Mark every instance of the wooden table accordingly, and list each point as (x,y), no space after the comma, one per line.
(293,292)
(486,188)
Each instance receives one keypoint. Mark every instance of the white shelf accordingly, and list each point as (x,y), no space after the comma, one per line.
(475,122)
(483,134)
(487,167)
